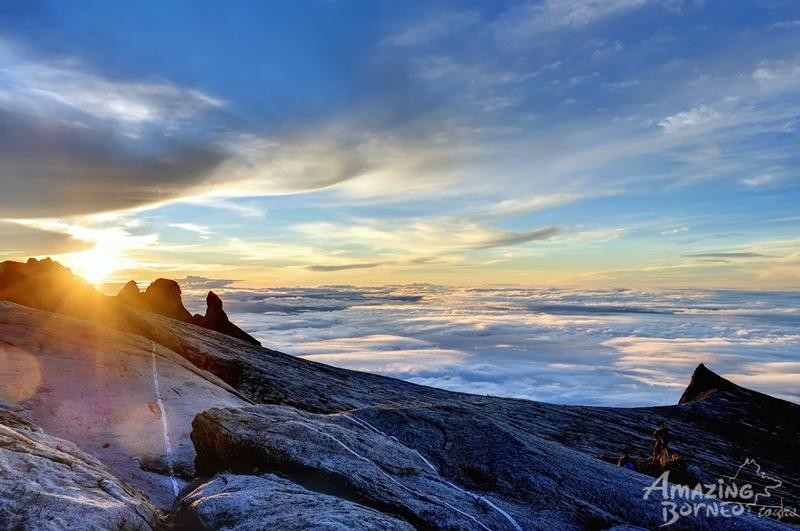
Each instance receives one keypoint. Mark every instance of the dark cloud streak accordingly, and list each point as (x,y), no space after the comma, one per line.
(342,267)
(26,241)
(54,168)
(203,283)
(724,255)
(516,239)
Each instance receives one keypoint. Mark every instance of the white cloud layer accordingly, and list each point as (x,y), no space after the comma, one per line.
(606,347)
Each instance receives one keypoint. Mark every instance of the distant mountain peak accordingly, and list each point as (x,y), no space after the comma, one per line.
(704,382)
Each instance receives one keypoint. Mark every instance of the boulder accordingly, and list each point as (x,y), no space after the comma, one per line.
(335,456)
(247,502)
(47,483)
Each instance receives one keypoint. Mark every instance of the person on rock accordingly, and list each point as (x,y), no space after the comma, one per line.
(661,453)
(626,461)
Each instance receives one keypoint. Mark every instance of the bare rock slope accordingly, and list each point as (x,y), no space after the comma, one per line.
(118,396)
(48,483)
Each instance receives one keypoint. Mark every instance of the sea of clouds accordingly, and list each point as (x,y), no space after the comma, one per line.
(591,347)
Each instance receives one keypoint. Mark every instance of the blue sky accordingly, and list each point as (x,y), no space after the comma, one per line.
(555,142)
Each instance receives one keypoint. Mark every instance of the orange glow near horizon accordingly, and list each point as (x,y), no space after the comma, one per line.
(96,265)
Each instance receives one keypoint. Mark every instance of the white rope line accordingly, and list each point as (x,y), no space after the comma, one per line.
(390,478)
(367,425)
(164,425)
(488,502)
(507,516)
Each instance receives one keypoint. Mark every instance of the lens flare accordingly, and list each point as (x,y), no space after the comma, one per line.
(20,374)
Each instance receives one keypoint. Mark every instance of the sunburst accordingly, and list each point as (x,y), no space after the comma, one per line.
(96,265)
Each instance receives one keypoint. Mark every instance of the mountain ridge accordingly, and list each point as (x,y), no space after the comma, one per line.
(47,285)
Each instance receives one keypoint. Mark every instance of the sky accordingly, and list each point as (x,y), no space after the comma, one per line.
(584,143)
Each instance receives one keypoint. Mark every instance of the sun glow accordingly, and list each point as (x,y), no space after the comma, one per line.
(95,265)
(110,246)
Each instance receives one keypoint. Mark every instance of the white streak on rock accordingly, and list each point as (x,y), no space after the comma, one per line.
(488,502)
(164,424)
(365,424)
(390,478)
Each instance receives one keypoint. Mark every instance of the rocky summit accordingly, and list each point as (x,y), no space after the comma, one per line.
(163,297)
(124,413)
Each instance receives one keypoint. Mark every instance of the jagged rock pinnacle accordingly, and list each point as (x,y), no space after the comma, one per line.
(164,297)
(704,382)
(216,319)
(214,307)
(130,294)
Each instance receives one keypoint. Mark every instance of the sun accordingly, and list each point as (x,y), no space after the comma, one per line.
(95,265)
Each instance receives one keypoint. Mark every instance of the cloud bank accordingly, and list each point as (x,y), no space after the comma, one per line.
(600,347)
